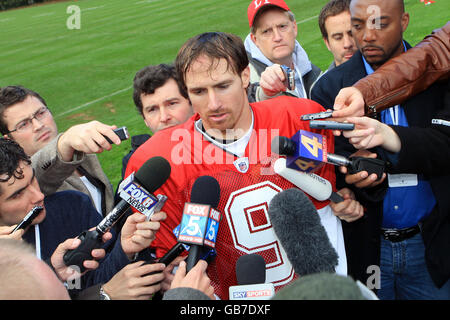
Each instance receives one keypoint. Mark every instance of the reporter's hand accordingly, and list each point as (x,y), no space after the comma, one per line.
(5,232)
(88,138)
(137,233)
(168,273)
(66,272)
(196,278)
(348,210)
(370,133)
(271,81)
(362,179)
(348,103)
(133,282)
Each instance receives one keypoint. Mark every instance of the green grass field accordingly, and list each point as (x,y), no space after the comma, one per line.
(87,74)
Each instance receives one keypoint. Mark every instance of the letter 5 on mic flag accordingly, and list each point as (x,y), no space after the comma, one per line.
(199,225)
(310,153)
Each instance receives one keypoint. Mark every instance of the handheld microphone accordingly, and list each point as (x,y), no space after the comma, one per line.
(314,185)
(251,278)
(297,225)
(152,175)
(307,151)
(200,221)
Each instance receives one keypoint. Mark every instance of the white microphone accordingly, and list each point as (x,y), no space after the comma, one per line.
(310,183)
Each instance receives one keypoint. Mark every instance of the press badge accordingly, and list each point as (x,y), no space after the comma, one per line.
(402,180)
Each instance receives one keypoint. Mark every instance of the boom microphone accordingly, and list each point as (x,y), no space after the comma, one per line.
(297,225)
(307,151)
(251,278)
(200,221)
(150,177)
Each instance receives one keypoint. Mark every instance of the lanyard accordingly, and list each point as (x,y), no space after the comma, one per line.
(37,237)
(394,115)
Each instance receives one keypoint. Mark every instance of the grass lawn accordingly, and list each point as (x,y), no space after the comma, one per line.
(86,74)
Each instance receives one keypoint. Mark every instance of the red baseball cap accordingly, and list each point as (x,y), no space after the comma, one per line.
(256,5)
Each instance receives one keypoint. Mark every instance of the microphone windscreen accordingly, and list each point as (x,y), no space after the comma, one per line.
(250,269)
(206,190)
(322,286)
(297,225)
(153,173)
(283,146)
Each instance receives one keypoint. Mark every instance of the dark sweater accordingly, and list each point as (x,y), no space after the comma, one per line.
(68,214)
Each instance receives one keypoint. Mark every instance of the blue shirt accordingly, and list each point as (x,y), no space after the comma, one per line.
(404,207)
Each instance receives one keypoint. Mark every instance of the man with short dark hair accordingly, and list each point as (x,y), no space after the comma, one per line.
(64,161)
(271,43)
(335,26)
(160,100)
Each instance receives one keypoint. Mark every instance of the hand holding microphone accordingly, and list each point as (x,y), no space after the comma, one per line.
(196,278)
(64,272)
(137,193)
(137,233)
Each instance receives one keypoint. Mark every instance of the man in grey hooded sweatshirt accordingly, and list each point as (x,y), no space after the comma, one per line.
(272,43)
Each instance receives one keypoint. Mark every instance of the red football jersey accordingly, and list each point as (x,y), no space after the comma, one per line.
(245,191)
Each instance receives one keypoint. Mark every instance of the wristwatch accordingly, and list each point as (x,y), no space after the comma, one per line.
(103,294)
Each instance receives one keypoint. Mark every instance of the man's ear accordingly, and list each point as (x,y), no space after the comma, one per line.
(326,43)
(245,76)
(405,21)
(295,28)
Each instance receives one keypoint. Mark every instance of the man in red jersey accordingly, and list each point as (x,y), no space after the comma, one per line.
(229,139)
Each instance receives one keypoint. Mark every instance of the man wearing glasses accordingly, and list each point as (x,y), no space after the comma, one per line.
(65,161)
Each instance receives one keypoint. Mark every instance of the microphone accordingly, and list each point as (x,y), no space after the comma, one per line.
(297,225)
(251,278)
(136,193)
(314,185)
(307,151)
(200,220)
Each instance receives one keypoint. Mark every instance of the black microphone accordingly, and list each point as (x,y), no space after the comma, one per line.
(251,278)
(200,219)
(250,269)
(306,151)
(150,177)
(297,225)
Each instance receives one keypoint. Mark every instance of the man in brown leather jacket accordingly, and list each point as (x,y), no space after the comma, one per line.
(408,74)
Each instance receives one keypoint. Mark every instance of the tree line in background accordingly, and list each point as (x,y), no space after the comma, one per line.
(8,4)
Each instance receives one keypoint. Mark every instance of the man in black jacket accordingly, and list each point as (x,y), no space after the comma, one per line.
(411,211)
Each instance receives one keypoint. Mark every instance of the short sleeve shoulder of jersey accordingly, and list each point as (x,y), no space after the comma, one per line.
(297,106)
(160,144)
(283,110)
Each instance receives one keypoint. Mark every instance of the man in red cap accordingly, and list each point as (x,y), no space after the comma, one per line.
(272,43)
